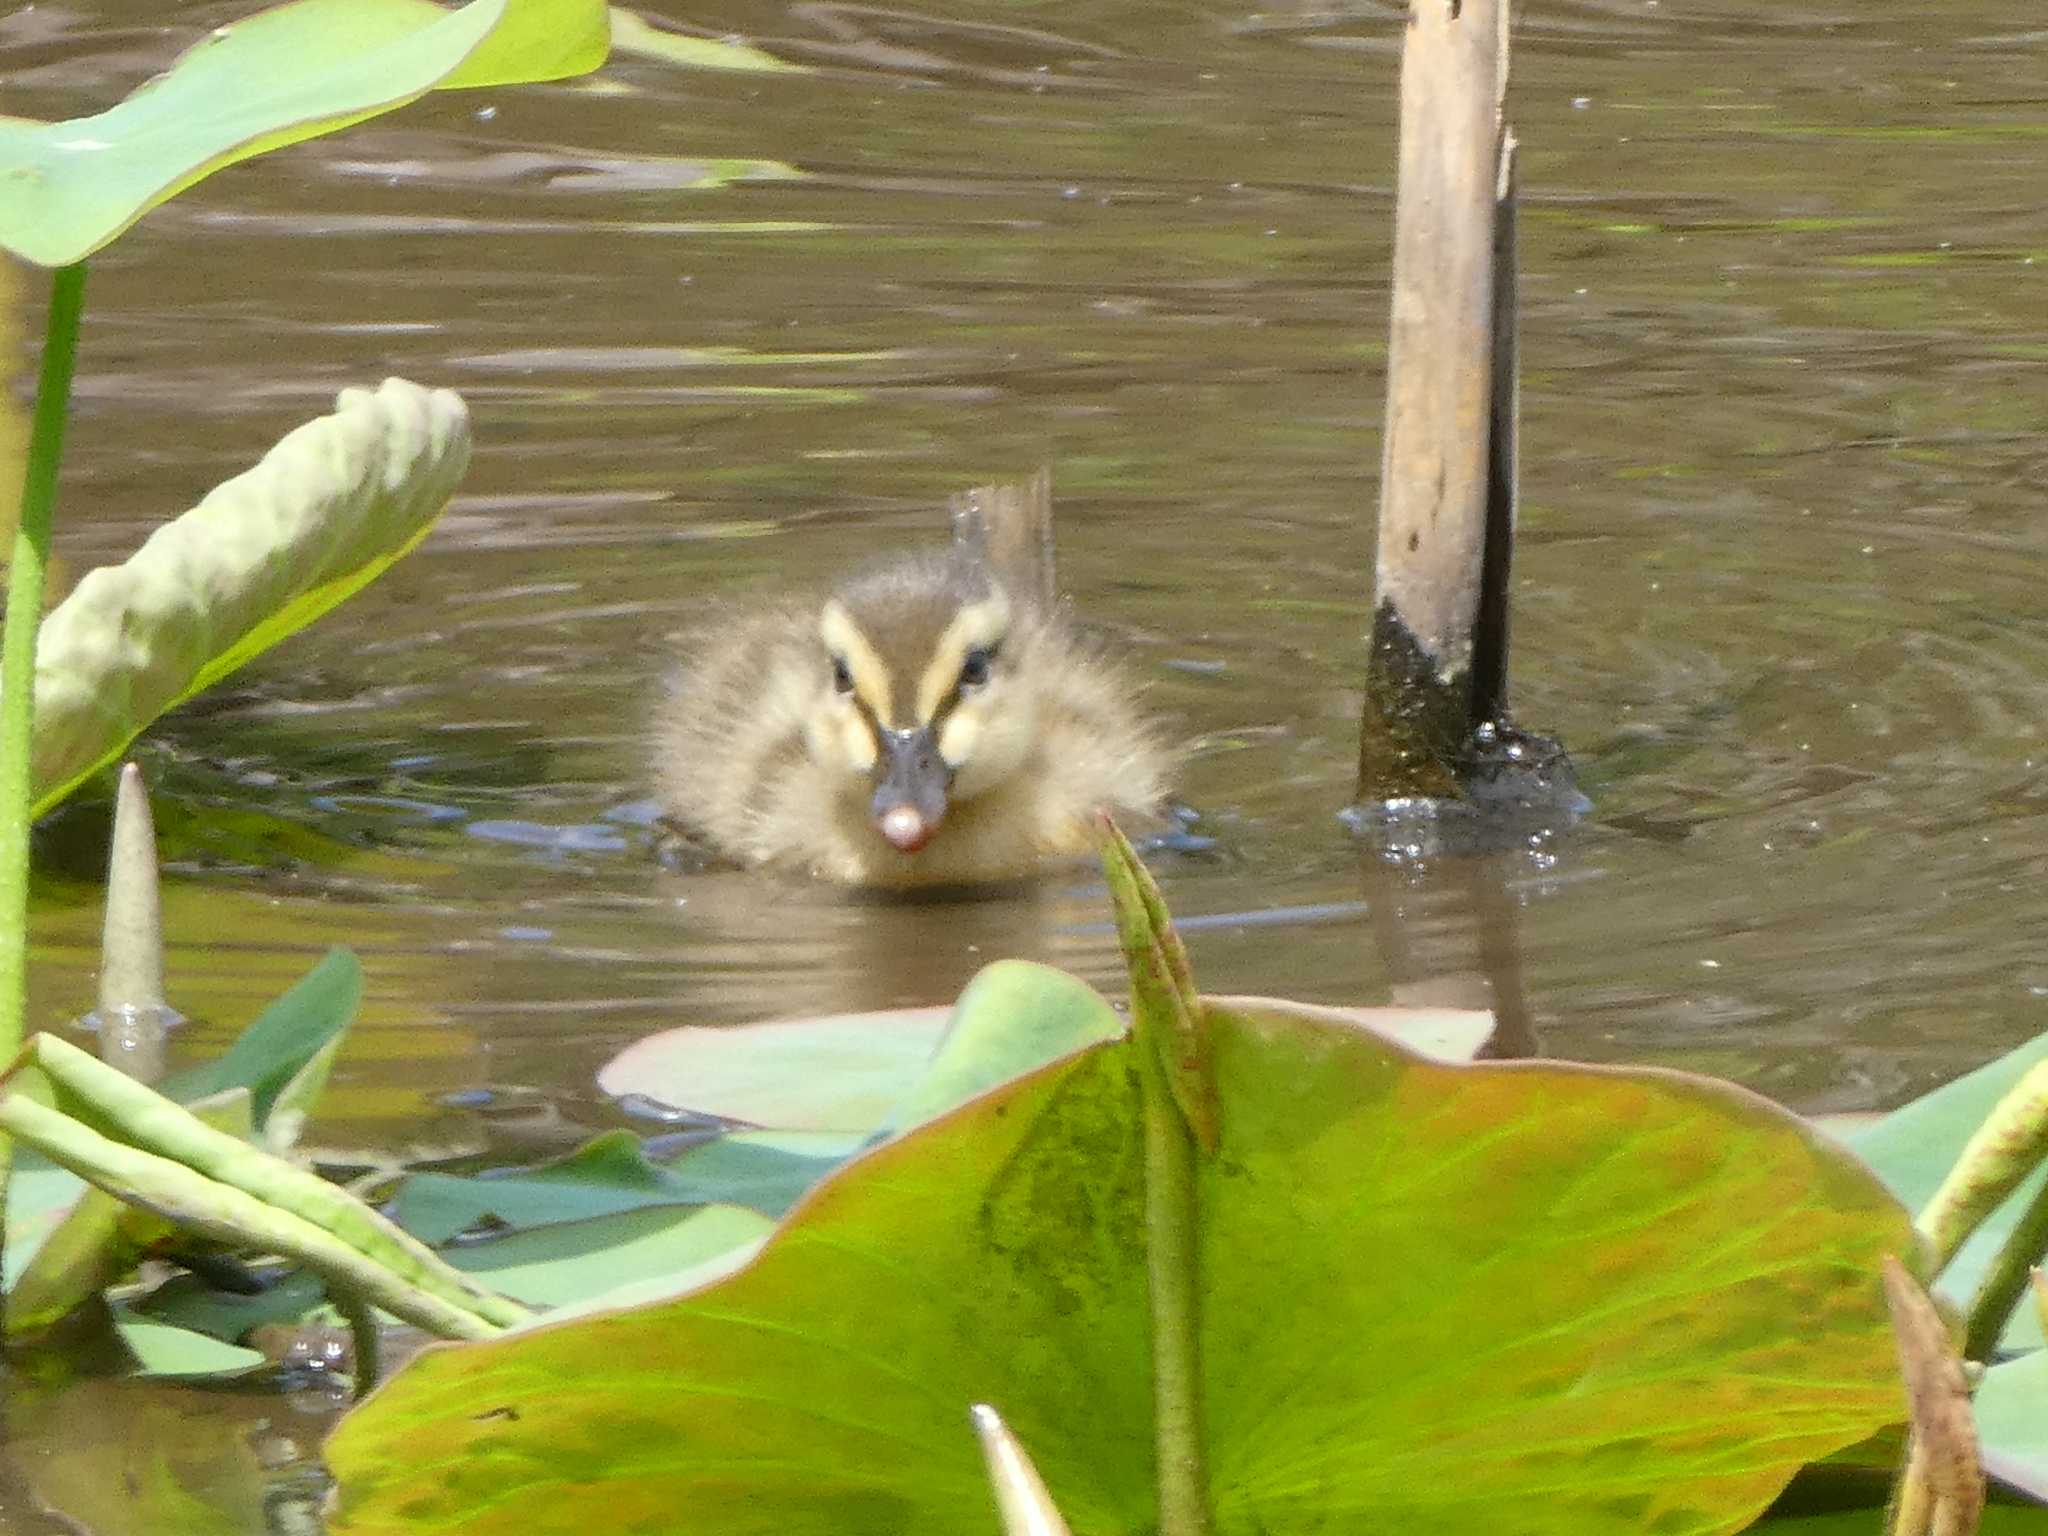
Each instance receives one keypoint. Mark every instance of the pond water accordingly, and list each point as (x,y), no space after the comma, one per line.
(1780,582)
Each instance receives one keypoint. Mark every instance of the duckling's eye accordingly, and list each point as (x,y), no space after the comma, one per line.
(974,670)
(842,676)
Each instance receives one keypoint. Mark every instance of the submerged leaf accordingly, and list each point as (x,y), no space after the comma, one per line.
(262,556)
(286,74)
(1435,1300)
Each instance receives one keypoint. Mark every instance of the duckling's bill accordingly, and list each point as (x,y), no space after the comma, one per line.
(910,795)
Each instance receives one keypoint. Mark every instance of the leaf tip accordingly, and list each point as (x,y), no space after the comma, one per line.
(1022,1501)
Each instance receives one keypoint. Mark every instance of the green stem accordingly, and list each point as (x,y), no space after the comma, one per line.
(361,1317)
(2007,1280)
(18,657)
(1170,1225)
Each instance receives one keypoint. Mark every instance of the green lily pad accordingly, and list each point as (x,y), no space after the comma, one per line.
(856,1072)
(162,1349)
(571,1261)
(189,1303)
(2012,1422)
(281,76)
(1999,1520)
(1913,1148)
(325,512)
(1014,1016)
(884,1072)
(611,1174)
(842,1072)
(1434,1299)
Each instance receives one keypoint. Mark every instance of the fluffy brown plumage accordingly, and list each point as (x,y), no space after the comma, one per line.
(919,726)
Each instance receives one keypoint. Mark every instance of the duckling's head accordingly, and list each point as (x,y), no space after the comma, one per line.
(920,705)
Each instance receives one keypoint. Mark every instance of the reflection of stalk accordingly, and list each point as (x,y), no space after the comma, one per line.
(18,656)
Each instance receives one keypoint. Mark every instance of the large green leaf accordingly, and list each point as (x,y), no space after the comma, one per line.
(1913,1148)
(1435,1300)
(323,514)
(281,76)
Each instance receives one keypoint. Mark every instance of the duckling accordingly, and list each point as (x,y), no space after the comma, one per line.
(926,724)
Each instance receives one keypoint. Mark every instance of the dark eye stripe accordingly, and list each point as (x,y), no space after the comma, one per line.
(842,675)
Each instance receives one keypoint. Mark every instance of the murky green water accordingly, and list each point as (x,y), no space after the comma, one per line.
(1780,585)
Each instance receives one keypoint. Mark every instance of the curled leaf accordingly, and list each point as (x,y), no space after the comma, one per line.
(323,514)
(2009,1145)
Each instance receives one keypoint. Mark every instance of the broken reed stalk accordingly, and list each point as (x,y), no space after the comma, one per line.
(1447,469)
(1009,529)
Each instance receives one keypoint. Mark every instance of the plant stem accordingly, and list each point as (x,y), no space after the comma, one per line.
(1170,1228)
(18,657)
(2007,1279)
(361,1317)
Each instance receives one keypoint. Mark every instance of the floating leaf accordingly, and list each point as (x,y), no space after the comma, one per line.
(574,1261)
(633,33)
(842,1072)
(2012,1422)
(283,75)
(1434,1300)
(162,1349)
(324,513)
(1013,1017)
(854,1073)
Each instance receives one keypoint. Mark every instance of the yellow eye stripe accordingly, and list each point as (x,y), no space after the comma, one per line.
(979,624)
(871,680)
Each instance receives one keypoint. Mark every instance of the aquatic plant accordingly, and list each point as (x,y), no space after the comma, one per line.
(66,190)
(1251,1266)
(1399,1286)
